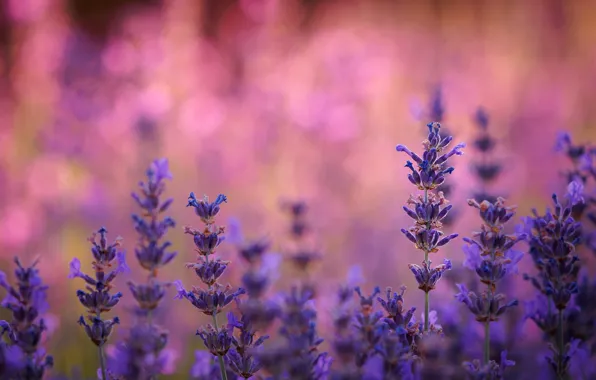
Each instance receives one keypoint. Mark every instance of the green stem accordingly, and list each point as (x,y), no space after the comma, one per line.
(486,342)
(222,366)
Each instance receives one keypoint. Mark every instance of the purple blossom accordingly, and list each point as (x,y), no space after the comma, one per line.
(21,355)
(428,277)
(98,299)
(575,192)
(142,355)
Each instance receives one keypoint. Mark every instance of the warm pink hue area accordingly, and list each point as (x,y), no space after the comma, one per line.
(277,101)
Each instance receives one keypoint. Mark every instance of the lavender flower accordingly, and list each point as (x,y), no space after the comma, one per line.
(98,299)
(241,358)
(298,355)
(486,168)
(429,209)
(215,297)
(552,242)
(346,344)
(491,255)
(489,371)
(22,357)
(204,368)
(369,327)
(141,355)
(257,312)
(436,111)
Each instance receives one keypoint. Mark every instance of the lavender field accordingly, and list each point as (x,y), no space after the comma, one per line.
(297,189)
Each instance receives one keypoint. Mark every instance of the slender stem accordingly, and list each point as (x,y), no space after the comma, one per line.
(486,342)
(150,317)
(426,302)
(426,294)
(102,363)
(561,345)
(222,366)
(426,321)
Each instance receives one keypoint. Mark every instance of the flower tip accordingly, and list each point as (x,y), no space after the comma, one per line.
(400,148)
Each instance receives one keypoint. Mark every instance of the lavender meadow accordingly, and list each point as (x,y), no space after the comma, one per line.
(268,336)
(235,189)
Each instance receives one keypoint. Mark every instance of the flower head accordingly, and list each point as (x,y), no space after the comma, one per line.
(206,210)
(21,356)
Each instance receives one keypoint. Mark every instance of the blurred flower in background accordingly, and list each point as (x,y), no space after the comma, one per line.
(266,100)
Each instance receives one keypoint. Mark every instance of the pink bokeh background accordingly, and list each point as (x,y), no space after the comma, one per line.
(268,100)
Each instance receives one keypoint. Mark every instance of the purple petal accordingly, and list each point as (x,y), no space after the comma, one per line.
(75,268)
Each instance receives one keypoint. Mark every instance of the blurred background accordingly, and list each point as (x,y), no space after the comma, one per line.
(266,100)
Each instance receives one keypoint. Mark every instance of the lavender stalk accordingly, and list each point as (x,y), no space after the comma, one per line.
(212,300)
(23,358)
(553,238)
(491,255)
(429,209)
(142,355)
(97,299)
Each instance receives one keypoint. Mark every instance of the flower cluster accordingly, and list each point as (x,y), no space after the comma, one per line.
(298,356)
(212,300)
(491,255)
(142,355)
(22,357)
(429,209)
(552,241)
(436,111)
(98,298)
(491,371)
(257,312)
(486,168)
(580,178)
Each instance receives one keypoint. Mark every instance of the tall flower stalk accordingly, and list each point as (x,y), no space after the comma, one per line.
(212,300)
(142,354)
(427,173)
(298,356)
(485,168)
(24,359)
(257,313)
(97,298)
(491,255)
(552,240)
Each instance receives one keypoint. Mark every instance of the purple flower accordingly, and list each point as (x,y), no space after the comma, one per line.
(21,356)
(141,355)
(562,141)
(428,277)
(98,299)
(212,301)
(160,170)
(98,330)
(152,251)
(217,341)
(575,192)
(487,306)
(203,367)
(180,291)
(206,210)
(148,295)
